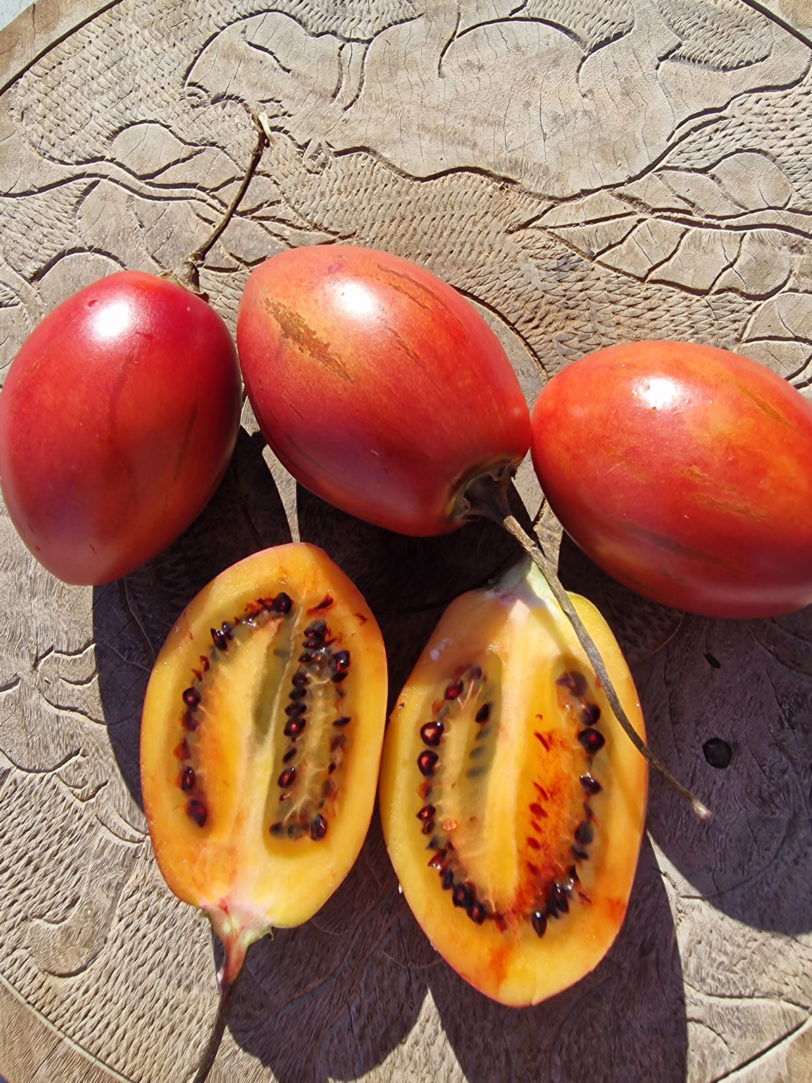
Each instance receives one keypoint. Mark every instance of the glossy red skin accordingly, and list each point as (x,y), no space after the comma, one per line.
(685,472)
(377,385)
(118,418)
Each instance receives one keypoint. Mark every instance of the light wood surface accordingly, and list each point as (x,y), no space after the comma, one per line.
(586,172)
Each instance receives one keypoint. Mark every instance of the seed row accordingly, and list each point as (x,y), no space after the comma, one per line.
(256,614)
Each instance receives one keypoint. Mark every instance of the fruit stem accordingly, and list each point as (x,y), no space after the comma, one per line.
(487,497)
(217,1030)
(235,943)
(189,273)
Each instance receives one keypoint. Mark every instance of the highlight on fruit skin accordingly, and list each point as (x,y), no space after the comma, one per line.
(685,472)
(260,743)
(512,804)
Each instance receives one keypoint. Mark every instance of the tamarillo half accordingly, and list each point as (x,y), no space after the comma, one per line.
(512,804)
(260,746)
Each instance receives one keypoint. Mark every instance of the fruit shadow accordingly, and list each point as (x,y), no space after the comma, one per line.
(748,684)
(132,617)
(332,999)
(626,1020)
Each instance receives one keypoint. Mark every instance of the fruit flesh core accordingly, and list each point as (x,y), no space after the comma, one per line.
(511,802)
(261,737)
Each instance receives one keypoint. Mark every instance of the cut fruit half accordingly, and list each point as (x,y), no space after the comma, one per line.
(260,743)
(511,801)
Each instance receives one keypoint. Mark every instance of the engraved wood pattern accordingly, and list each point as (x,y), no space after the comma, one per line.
(585,172)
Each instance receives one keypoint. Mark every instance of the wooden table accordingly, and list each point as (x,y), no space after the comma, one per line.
(586,172)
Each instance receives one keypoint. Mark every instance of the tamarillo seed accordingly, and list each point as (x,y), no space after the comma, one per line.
(483,714)
(190,723)
(592,741)
(584,833)
(539,922)
(294,727)
(187,779)
(286,778)
(590,784)
(426,762)
(477,912)
(462,895)
(558,902)
(432,733)
(293,710)
(447,879)
(342,720)
(318,828)
(197,810)
(589,714)
(316,629)
(427,812)
(191,697)
(454,691)
(282,603)
(573,681)
(340,665)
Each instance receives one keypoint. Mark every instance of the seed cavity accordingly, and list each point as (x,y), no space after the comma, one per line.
(549,879)
(312,719)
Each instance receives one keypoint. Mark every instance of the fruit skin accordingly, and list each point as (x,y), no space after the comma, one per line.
(377,385)
(246,880)
(118,419)
(519,637)
(685,472)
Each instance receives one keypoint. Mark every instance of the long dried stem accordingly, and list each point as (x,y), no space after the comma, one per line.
(189,273)
(487,498)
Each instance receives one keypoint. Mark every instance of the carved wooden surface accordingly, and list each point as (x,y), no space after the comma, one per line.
(586,172)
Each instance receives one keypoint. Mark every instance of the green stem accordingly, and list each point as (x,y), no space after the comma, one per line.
(487,496)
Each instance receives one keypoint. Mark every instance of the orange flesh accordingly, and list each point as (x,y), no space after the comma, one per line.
(261,849)
(540,866)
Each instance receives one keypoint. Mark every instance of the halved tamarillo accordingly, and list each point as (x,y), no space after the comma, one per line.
(260,746)
(512,805)
(382,390)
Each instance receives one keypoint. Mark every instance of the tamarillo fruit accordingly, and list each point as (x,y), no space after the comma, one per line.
(685,472)
(511,803)
(260,746)
(377,385)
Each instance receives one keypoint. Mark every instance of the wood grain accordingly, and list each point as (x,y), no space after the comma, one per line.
(585,172)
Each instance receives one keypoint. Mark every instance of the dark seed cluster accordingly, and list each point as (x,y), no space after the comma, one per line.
(256,614)
(553,899)
(319,663)
(444,858)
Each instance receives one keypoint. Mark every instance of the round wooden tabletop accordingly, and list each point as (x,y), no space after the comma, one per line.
(586,173)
